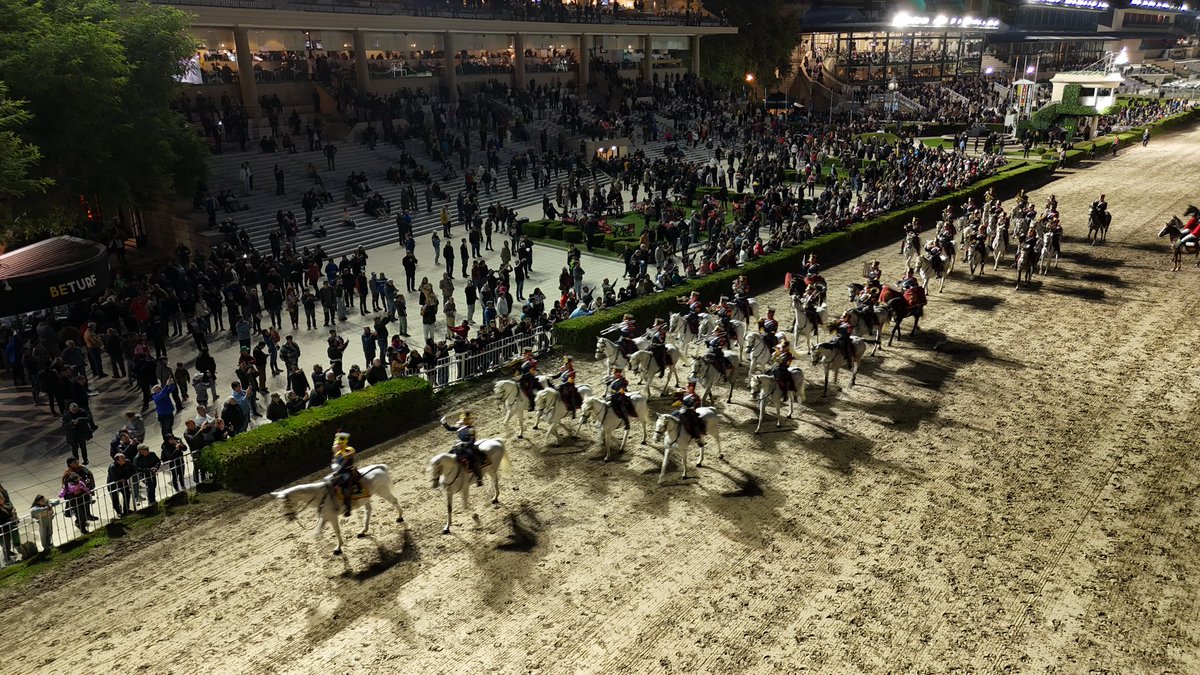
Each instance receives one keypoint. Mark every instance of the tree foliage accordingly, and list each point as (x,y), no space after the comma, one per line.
(763,46)
(17,157)
(99,77)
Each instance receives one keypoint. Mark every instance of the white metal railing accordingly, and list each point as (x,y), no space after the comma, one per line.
(496,356)
(100,508)
(912,105)
(955,95)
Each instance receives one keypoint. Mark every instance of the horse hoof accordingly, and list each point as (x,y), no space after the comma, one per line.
(337,551)
(520,436)
(445,530)
(361,535)
(400,519)
(496,500)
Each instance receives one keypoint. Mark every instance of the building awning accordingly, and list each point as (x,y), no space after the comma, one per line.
(50,273)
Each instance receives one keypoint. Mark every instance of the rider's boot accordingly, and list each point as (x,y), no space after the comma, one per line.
(347,498)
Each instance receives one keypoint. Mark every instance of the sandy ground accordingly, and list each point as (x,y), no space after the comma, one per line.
(1013,491)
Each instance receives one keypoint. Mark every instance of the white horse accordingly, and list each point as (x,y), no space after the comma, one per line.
(642,363)
(707,375)
(607,420)
(924,267)
(669,430)
(548,405)
(455,478)
(803,323)
(509,397)
(976,254)
(911,245)
(375,479)
(678,328)
(1049,256)
(1025,262)
(1000,245)
(765,388)
(829,354)
(758,354)
(611,352)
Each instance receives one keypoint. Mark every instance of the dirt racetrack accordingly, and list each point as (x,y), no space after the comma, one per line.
(1014,491)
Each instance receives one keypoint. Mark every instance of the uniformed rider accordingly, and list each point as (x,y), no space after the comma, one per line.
(658,344)
(527,372)
(781,361)
(688,413)
(346,477)
(465,448)
(741,295)
(566,386)
(618,395)
(716,352)
(768,327)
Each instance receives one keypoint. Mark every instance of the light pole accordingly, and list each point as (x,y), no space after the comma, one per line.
(892,86)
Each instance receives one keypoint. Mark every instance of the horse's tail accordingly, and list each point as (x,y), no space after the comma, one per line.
(505,462)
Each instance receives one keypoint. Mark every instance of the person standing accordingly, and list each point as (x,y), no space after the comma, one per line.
(247,177)
(120,475)
(278,181)
(78,497)
(437,248)
(78,426)
(410,271)
(464,257)
(148,464)
(330,153)
(164,406)
(448,256)
(43,514)
(472,296)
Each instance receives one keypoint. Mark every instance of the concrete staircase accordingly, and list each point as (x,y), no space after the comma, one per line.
(260,219)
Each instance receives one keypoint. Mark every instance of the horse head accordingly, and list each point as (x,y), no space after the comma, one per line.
(585,409)
(545,399)
(755,386)
(855,289)
(1173,228)
(289,507)
(1191,211)
(601,348)
(660,426)
(437,468)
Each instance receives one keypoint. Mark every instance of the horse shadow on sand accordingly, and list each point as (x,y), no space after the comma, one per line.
(503,565)
(358,591)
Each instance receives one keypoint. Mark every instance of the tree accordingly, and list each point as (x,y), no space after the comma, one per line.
(99,77)
(763,46)
(17,158)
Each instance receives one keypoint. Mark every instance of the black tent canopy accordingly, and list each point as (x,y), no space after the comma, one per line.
(51,272)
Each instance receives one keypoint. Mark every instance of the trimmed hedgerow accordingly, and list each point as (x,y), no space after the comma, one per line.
(271,455)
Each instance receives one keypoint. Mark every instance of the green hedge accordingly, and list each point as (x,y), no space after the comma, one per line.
(555,230)
(535,229)
(269,456)
(572,235)
(579,335)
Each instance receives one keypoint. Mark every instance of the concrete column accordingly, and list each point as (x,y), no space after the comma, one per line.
(585,60)
(361,73)
(647,66)
(451,79)
(519,54)
(245,61)
(695,55)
